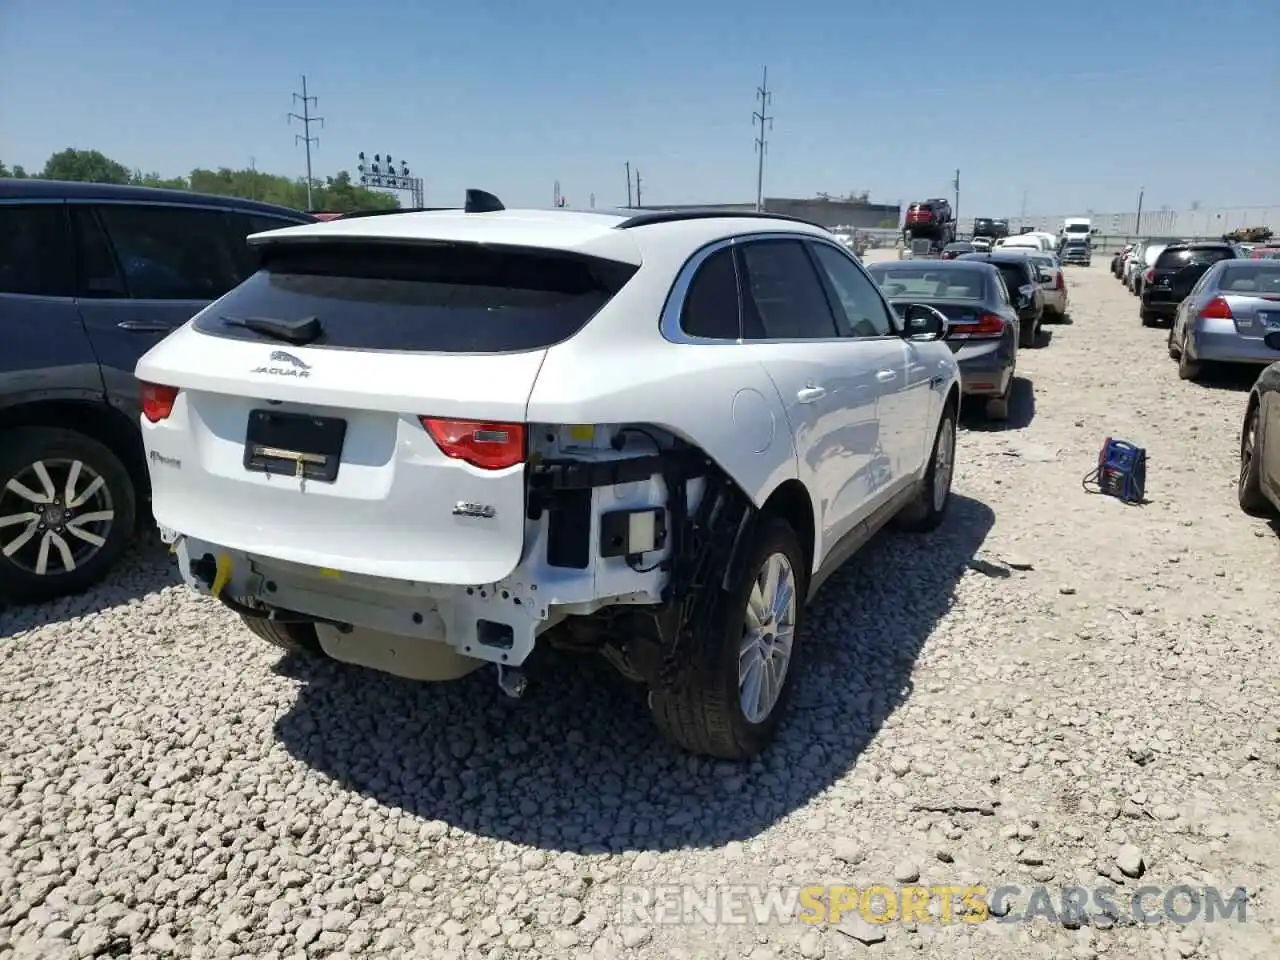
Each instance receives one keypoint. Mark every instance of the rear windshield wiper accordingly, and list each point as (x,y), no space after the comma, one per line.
(300,332)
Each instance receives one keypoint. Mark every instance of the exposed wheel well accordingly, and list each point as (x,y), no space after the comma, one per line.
(791,502)
(97,420)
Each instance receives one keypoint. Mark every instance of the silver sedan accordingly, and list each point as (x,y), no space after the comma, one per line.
(1231,315)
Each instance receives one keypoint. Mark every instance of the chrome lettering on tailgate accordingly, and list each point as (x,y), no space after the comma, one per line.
(296,367)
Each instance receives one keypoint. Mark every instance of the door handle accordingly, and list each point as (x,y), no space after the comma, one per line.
(884,376)
(144,326)
(811,394)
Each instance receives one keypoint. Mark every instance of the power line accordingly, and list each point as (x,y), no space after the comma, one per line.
(758,116)
(306,137)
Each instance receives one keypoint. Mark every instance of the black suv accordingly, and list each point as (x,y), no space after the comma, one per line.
(1178,268)
(91,277)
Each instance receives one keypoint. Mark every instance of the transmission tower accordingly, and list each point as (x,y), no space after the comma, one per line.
(305,137)
(759,116)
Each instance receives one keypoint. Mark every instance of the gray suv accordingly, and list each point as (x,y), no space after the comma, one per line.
(91,277)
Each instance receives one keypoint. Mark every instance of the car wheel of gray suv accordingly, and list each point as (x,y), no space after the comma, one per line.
(67,512)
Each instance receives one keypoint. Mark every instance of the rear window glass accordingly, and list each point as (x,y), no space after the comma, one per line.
(929,283)
(1260,277)
(447,298)
(1172,259)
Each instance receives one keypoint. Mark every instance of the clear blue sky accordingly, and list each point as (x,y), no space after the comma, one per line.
(1078,104)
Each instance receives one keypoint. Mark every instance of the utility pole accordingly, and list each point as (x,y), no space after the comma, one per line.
(955,211)
(555,197)
(639,202)
(759,116)
(1024,206)
(306,137)
(593,201)
(1137,223)
(628,184)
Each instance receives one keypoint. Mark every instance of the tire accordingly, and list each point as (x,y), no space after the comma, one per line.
(1188,369)
(1249,486)
(926,513)
(290,637)
(997,409)
(704,712)
(92,532)
(1149,319)
(1029,334)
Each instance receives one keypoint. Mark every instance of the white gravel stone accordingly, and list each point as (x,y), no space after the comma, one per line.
(171,787)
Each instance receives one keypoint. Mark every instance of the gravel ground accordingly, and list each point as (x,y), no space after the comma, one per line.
(1055,688)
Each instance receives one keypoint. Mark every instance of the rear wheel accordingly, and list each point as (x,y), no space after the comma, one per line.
(1174,350)
(291,637)
(1249,487)
(1029,333)
(1188,369)
(740,671)
(67,512)
(930,508)
(1149,319)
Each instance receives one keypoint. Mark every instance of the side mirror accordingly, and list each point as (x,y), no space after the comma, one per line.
(925,324)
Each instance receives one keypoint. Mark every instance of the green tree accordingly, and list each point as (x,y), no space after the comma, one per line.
(336,193)
(88,166)
(17,172)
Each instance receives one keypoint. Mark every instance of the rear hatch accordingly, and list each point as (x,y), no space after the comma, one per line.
(1176,270)
(360,406)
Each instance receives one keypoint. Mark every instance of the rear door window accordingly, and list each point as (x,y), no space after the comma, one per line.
(432,298)
(171,252)
(35,250)
(783,297)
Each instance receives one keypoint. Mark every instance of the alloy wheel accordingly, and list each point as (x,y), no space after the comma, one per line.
(55,515)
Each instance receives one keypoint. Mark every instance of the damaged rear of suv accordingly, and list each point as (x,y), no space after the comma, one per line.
(420,443)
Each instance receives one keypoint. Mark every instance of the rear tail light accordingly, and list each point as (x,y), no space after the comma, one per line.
(1217,309)
(489,446)
(1150,276)
(157,401)
(988,326)
(1060,283)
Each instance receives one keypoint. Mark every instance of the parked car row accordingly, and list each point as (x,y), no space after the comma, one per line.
(996,302)
(1221,301)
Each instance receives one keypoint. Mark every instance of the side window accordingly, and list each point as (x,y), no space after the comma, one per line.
(711,305)
(35,250)
(171,253)
(99,276)
(1002,291)
(783,297)
(864,309)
